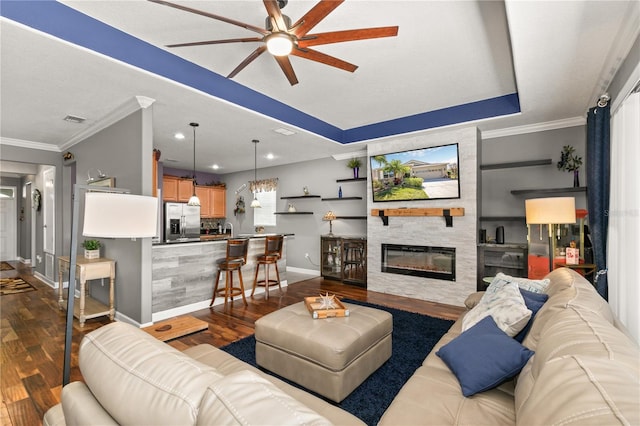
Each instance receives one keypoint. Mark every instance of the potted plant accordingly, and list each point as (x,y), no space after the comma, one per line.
(570,162)
(91,249)
(354,164)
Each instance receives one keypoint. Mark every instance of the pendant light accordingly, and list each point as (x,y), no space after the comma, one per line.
(255,203)
(194,200)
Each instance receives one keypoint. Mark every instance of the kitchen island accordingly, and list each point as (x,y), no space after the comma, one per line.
(183,274)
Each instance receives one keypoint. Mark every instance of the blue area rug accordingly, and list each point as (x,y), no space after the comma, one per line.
(414,336)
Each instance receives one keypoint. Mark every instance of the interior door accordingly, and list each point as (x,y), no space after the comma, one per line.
(8,223)
(49,210)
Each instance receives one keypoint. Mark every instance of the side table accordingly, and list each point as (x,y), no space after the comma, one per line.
(586,269)
(88,269)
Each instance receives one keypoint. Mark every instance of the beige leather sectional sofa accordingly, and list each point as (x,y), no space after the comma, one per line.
(584,371)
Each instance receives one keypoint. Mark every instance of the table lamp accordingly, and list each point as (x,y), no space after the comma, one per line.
(330,216)
(550,211)
(108,213)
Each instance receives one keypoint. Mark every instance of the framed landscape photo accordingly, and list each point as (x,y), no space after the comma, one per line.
(420,174)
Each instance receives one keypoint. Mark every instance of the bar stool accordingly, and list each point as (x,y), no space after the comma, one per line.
(272,253)
(236,258)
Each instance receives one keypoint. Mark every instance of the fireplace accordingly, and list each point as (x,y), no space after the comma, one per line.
(420,261)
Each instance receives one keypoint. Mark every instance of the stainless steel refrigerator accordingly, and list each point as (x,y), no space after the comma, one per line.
(181,223)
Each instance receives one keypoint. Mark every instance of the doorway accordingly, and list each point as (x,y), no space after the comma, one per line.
(8,223)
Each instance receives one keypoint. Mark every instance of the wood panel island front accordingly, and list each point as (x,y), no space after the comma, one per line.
(183,274)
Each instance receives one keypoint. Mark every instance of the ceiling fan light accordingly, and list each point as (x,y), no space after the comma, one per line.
(279,44)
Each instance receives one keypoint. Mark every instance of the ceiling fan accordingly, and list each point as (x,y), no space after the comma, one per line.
(282,39)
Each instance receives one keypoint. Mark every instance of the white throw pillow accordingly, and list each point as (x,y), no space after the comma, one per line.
(505,304)
(535,286)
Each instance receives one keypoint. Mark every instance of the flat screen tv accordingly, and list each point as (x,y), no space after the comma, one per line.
(419,174)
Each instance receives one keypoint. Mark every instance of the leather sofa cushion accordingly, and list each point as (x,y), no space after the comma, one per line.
(582,390)
(568,288)
(141,380)
(227,364)
(432,397)
(245,398)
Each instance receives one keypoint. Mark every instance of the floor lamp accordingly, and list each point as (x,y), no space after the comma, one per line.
(550,212)
(108,213)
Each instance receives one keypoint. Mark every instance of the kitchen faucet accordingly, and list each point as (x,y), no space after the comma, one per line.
(230,226)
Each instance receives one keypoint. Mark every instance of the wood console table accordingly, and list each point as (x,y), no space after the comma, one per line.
(88,269)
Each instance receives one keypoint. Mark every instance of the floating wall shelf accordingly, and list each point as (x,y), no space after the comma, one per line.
(299,197)
(511,165)
(360,179)
(341,198)
(446,213)
(548,191)
(293,213)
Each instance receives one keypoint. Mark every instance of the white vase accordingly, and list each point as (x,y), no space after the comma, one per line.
(91,254)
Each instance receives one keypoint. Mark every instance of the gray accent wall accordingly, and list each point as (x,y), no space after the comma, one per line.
(320,177)
(497,199)
(123,151)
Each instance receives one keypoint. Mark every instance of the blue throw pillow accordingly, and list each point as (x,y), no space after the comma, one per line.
(534,302)
(483,357)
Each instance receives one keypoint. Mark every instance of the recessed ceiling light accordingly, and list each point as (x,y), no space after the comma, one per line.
(215,167)
(284,131)
(270,156)
(179,136)
(74,119)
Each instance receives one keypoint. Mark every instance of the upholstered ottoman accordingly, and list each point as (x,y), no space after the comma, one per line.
(330,356)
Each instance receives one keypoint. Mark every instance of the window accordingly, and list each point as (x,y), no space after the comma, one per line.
(265,216)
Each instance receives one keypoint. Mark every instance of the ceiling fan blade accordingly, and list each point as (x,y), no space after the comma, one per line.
(247,60)
(212,16)
(323,58)
(285,64)
(314,16)
(229,40)
(274,12)
(347,35)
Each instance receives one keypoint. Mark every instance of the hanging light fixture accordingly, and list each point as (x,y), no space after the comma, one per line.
(194,200)
(255,203)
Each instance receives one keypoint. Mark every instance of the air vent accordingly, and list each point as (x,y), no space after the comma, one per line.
(74,119)
(284,131)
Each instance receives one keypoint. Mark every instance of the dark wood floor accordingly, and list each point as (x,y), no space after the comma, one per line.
(32,333)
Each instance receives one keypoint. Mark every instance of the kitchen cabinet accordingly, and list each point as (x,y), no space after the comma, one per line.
(176,189)
(213,201)
(185,190)
(169,188)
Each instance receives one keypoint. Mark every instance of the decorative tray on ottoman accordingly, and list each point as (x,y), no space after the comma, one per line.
(325,306)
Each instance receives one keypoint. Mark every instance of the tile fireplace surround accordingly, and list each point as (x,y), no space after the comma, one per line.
(429,231)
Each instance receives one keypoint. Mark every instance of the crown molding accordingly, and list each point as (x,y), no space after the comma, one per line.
(533,128)
(350,155)
(29,144)
(129,107)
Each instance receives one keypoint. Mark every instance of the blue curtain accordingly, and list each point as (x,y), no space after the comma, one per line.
(598,153)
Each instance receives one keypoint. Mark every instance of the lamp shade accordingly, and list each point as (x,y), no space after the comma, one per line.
(329,216)
(555,210)
(114,215)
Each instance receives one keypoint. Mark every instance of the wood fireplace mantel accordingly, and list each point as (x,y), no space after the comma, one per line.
(434,211)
